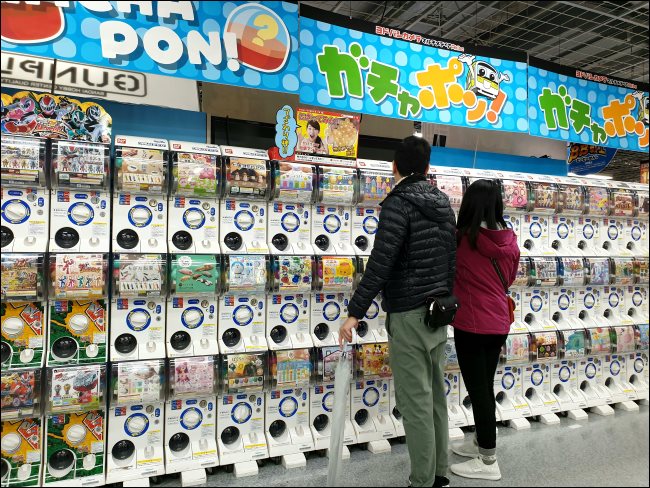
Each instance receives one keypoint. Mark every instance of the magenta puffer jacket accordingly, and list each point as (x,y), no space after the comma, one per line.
(483,304)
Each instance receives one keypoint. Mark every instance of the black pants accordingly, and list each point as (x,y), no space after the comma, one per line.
(478,357)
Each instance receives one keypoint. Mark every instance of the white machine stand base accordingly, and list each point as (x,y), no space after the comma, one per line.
(345,453)
(577,414)
(297,460)
(379,447)
(456,434)
(194,477)
(519,424)
(549,419)
(135,483)
(603,410)
(628,406)
(246,468)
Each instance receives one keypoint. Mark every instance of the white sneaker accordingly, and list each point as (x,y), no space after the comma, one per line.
(469,449)
(477,469)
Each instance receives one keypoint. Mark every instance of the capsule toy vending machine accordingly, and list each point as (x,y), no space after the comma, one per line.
(75,426)
(508,381)
(590,226)
(370,397)
(289,219)
(140,188)
(332,213)
(243,206)
(78,309)
(637,364)
(138,306)
(517,291)
(622,205)
(636,229)
(288,305)
(24,310)
(25,198)
(516,198)
(375,182)
(334,280)
(80,198)
(543,205)
(536,307)
(572,347)
(372,328)
(287,407)
(242,308)
(615,368)
(136,416)
(451,182)
(588,298)
(322,398)
(22,434)
(572,274)
(192,306)
(191,418)
(613,296)
(537,377)
(193,225)
(456,414)
(241,440)
(636,296)
(564,224)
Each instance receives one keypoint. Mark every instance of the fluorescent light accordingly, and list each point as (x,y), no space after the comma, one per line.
(417,134)
(594,177)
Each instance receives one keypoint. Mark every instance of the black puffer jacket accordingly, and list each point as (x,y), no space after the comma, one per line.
(415,249)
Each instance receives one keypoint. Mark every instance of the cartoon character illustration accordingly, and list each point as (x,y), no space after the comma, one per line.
(643,111)
(21,116)
(95,125)
(47,105)
(76,124)
(482,78)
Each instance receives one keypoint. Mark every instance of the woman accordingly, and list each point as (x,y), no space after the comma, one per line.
(313,142)
(482,323)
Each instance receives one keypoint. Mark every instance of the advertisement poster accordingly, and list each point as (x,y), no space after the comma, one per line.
(328,134)
(587,108)
(376,70)
(584,159)
(195,274)
(248,44)
(78,276)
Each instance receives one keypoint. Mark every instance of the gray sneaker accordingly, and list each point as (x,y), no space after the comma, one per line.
(477,469)
(469,448)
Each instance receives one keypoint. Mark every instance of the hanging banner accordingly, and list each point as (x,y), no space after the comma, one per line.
(584,159)
(577,106)
(379,71)
(236,43)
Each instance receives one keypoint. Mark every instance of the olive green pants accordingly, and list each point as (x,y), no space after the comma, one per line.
(417,358)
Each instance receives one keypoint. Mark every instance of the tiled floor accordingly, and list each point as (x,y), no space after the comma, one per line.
(604,451)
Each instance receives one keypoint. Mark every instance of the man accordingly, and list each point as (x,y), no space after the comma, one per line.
(414,257)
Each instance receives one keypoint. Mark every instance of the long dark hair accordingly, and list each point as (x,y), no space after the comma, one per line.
(482,202)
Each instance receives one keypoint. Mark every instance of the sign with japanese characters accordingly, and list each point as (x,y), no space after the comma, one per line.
(584,159)
(250,44)
(326,133)
(578,106)
(379,71)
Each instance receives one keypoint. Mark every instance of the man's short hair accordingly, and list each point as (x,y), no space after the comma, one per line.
(412,156)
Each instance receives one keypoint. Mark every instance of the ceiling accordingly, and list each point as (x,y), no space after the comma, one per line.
(604,37)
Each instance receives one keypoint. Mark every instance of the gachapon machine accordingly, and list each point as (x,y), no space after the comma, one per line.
(636,227)
(334,281)
(288,307)
(537,377)
(516,199)
(242,307)
(289,219)
(240,412)
(332,213)
(24,310)
(286,420)
(456,414)
(194,198)
(613,232)
(247,188)
(563,307)
(636,296)
(637,363)
(564,225)
(590,368)
(588,297)
(322,397)
(372,328)
(192,306)
(80,197)
(544,205)
(452,185)
(75,426)
(138,306)
(370,396)
(25,199)
(523,280)
(508,381)
(22,434)
(572,347)
(78,309)
(615,367)
(590,228)
(375,182)
(140,188)
(191,418)
(612,305)
(536,306)
(136,413)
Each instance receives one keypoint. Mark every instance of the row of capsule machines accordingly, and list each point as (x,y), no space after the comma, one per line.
(580,336)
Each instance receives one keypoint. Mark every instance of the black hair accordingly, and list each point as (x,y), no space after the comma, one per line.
(314,123)
(482,202)
(412,156)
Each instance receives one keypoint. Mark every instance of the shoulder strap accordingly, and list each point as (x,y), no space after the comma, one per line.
(498,270)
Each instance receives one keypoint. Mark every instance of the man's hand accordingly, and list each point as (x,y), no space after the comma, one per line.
(345,332)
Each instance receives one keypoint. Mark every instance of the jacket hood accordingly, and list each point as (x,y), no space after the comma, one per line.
(426,198)
(497,243)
